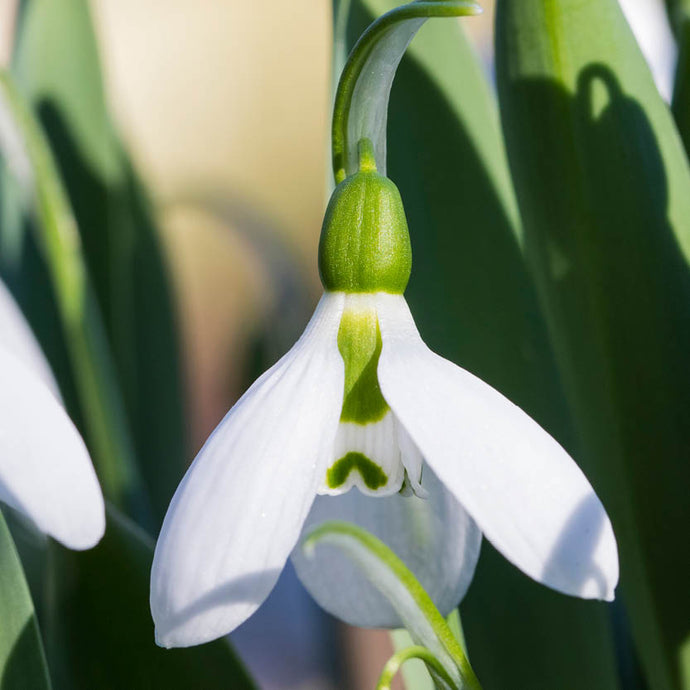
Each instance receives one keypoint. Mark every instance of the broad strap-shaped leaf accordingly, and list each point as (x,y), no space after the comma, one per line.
(99,632)
(604,189)
(57,66)
(475,304)
(22,659)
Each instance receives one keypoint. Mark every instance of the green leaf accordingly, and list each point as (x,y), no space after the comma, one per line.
(22,659)
(604,189)
(99,631)
(475,303)
(680,106)
(407,597)
(56,64)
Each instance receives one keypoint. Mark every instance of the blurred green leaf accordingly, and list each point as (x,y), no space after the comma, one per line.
(57,243)
(679,14)
(604,189)
(475,303)
(22,659)
(677,11)
(57,65)
(99,631)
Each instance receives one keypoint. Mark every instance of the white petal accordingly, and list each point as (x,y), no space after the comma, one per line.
(45,469)
(435,538)
(17,337)
(527,495)
(240,508)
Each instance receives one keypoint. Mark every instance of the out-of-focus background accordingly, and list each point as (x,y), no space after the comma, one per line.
(225,108)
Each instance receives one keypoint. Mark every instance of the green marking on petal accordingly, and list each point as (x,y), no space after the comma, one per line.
(374,477)
(359,342)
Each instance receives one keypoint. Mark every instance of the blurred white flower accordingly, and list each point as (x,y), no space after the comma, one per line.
(45,469)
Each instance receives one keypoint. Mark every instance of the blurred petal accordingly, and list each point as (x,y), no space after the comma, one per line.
(434,537)
(16,336)
(45,469)
(240,508)
(527,495)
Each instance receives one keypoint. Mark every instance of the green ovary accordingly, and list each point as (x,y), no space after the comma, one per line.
(372,475)
(359,342)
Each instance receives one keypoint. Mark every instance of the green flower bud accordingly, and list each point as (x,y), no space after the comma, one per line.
(365,244)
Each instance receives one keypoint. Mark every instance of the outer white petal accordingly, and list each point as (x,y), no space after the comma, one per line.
(527,495)
(17,337)
(240,508)
(45,469)
(435,538)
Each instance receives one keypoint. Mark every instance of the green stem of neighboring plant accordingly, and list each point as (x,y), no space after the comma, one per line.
(394,664)
(420,9)
(59,240)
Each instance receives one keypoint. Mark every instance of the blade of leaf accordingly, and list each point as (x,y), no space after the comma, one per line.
(475,303)
(22,659)
(56,63)
(99,631)
(604,189)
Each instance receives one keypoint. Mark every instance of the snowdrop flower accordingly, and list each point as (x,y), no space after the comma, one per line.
(361,416)
(45,470)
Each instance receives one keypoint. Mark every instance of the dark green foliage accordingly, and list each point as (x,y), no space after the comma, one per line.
(475,303)
(99,632)
(604,189)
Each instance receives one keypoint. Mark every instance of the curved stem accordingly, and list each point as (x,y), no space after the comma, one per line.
(419,10)
(394,664)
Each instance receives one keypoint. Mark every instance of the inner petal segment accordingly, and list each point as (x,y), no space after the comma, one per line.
(368,457)
(366,453)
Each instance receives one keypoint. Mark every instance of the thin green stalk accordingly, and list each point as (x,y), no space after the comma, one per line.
(394,664)
(100,402)
(419,9)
